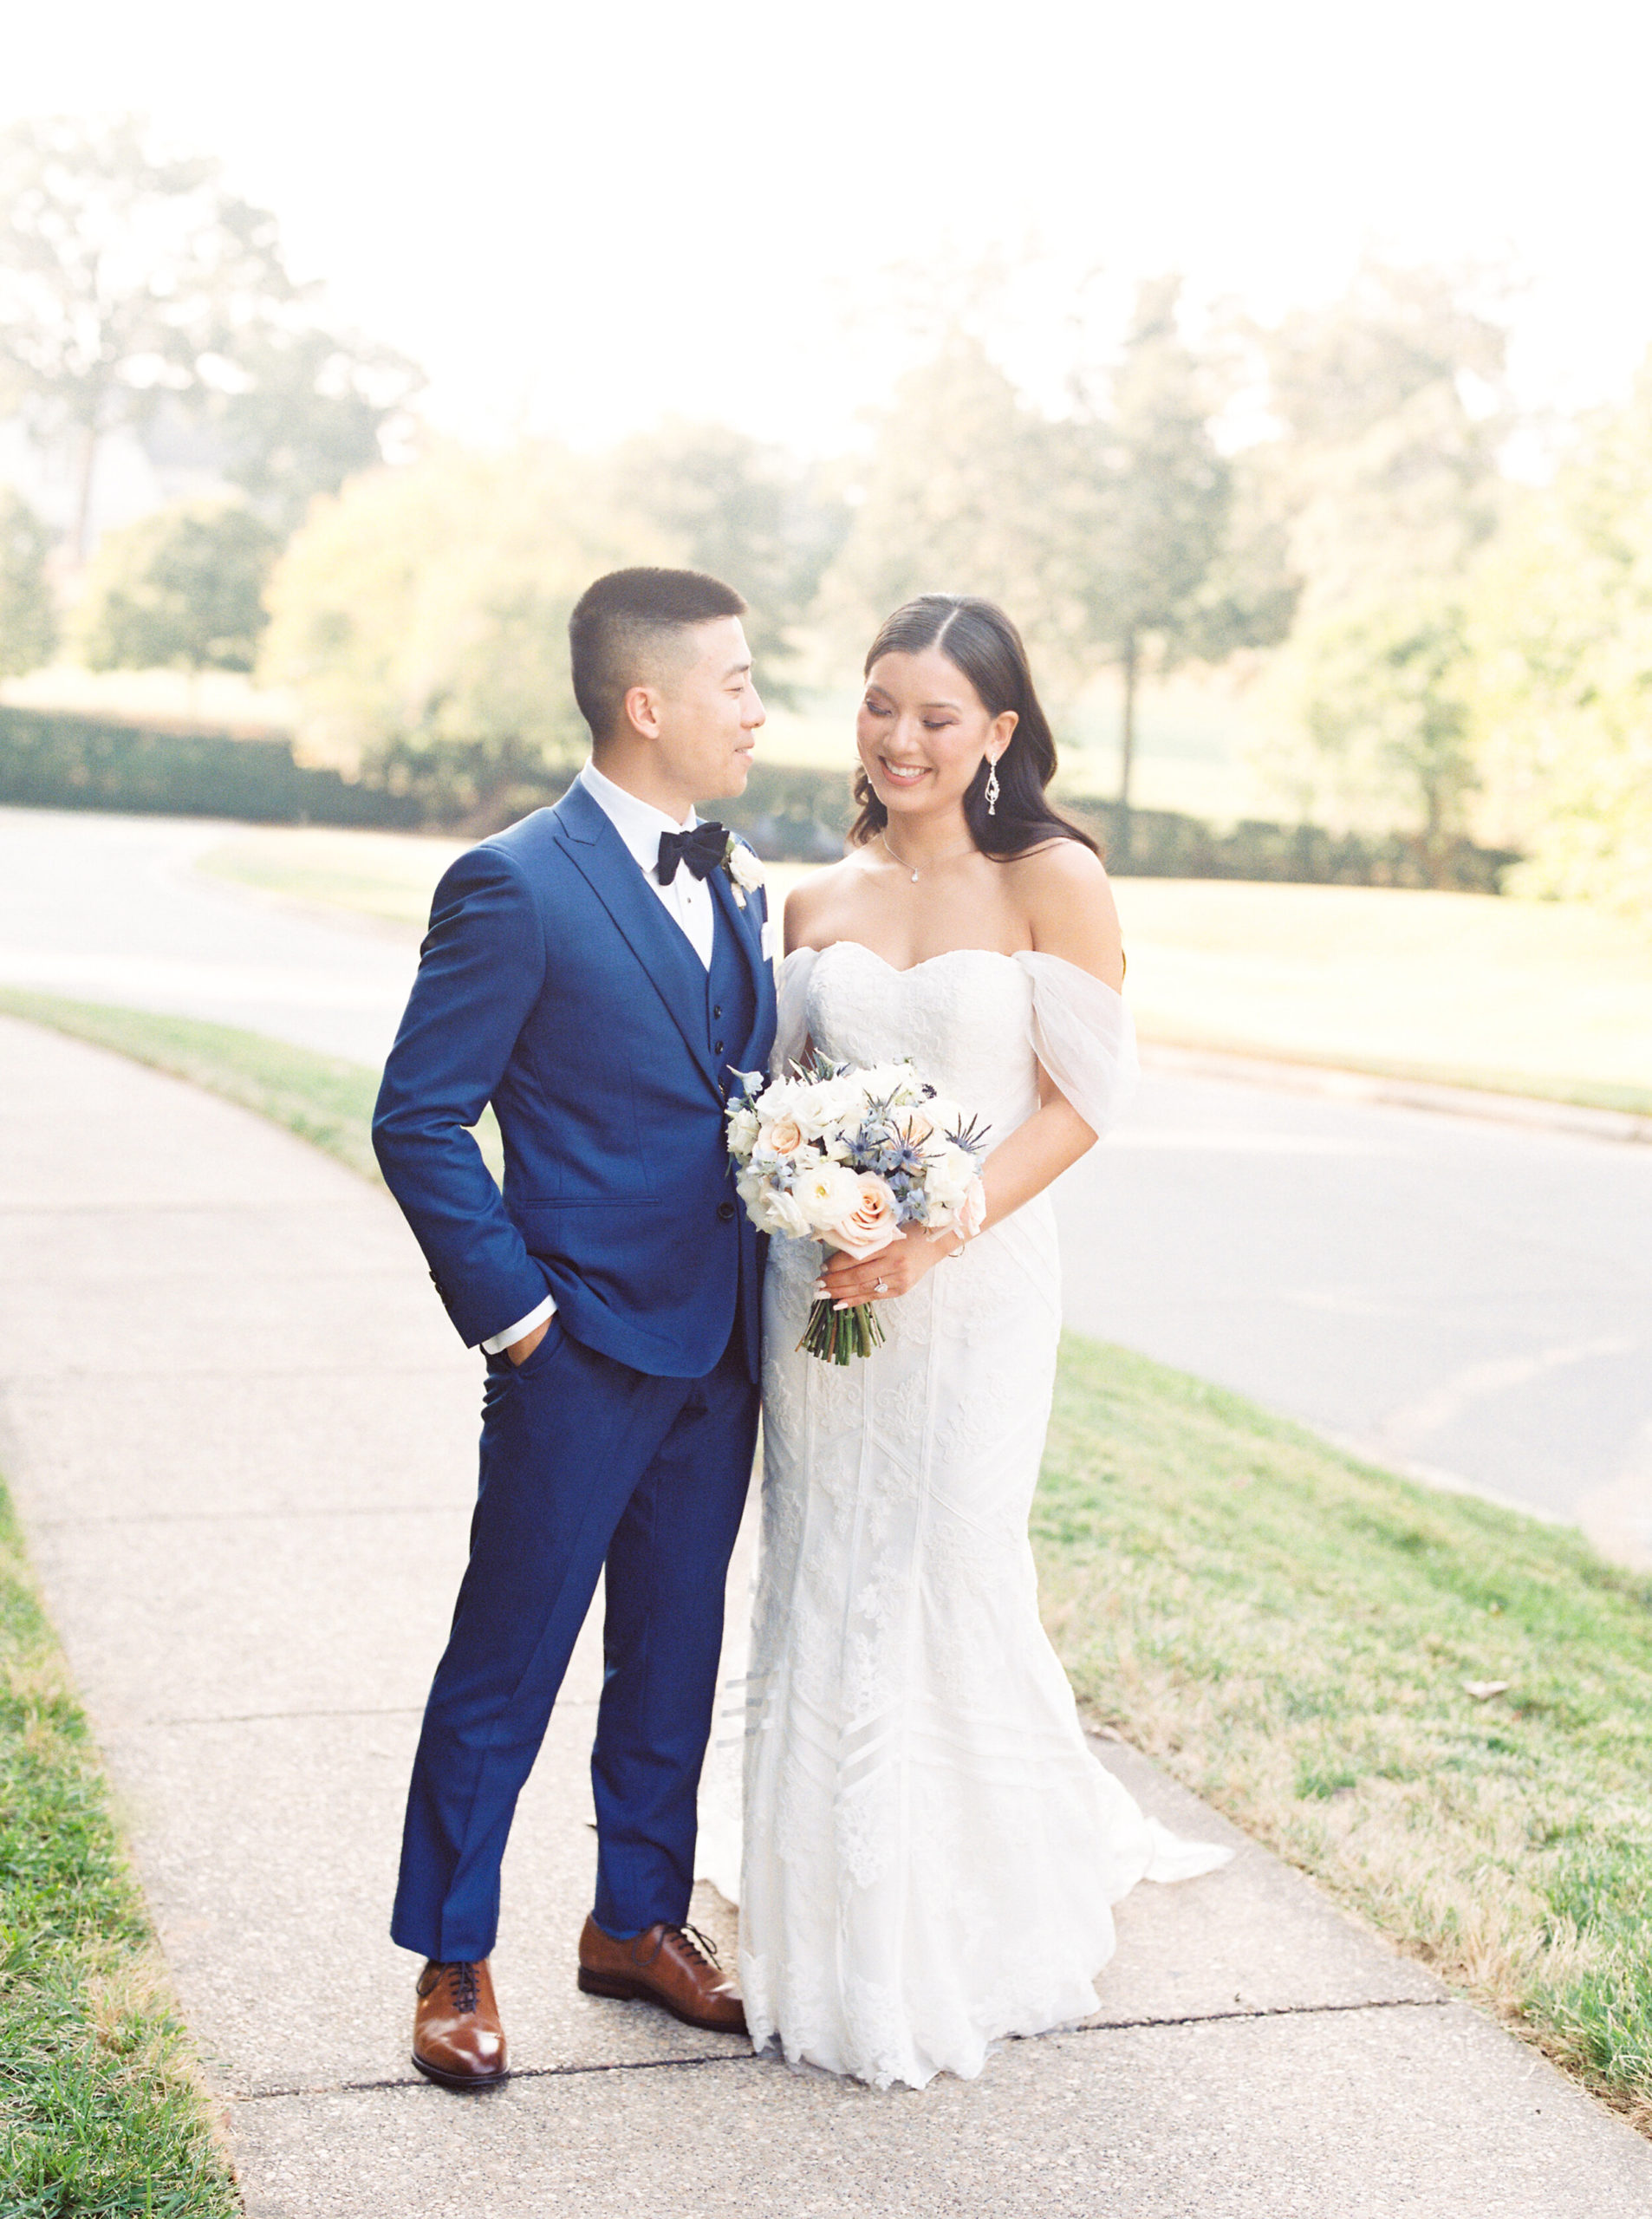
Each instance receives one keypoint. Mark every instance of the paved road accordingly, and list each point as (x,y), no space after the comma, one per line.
(249,1511)
(1463,1297)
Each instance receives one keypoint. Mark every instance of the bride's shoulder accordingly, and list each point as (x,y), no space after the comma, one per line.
(812,900)
(1064,894)
(1059,874)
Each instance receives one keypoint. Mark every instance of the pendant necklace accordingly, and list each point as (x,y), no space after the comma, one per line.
(951,854)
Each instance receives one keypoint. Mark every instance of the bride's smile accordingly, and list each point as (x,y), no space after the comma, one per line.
(921,734)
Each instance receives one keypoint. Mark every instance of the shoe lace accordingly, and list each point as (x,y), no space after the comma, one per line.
(465,1990)
(697,1944)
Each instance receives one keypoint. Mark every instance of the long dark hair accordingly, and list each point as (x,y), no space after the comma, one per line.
(979,638)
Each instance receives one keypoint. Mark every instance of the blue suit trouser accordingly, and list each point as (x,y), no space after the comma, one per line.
(586,1464)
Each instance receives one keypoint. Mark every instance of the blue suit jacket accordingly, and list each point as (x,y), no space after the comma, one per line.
(554,984)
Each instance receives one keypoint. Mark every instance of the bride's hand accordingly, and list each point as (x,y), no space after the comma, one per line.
(894,1271)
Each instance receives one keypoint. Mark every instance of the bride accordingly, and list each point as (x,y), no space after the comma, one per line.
(931,1849)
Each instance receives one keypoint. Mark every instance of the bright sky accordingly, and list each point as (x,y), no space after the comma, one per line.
(583,217)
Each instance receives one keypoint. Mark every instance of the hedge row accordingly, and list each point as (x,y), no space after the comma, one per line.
(49,761)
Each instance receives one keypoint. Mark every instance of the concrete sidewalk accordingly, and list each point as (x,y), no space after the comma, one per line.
(241,1436)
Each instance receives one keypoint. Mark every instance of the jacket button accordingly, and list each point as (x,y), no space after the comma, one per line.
(725,1211)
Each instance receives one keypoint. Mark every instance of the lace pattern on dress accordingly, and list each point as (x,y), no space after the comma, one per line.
(931,1849)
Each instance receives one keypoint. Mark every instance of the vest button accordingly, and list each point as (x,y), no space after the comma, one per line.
(725,1211)
(717,1012)
(717,1047)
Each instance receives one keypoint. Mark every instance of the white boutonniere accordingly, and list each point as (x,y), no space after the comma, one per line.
(744,868)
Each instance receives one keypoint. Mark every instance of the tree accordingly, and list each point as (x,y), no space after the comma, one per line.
(182,589)
(421,617)
(1145,506)
(28,617)
(742,511)
(954,499)
(127,276)
(308,409)
(1382,690)
(1561,627)
(1392,400)
(1385,483)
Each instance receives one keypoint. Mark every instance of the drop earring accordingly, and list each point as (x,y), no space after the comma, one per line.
(991,790)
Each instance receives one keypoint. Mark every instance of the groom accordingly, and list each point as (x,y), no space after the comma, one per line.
(599,973)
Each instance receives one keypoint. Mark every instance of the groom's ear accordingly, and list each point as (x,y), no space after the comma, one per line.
(639,710)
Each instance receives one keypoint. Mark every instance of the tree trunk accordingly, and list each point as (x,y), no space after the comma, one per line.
(1127,744)
(83,503)
(1434,835)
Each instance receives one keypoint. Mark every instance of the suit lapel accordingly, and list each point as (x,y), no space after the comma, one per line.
(746,924)
(654,937)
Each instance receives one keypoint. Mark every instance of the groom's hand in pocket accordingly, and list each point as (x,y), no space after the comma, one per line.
(520,1352)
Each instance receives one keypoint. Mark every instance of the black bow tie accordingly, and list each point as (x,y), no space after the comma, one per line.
(701,849)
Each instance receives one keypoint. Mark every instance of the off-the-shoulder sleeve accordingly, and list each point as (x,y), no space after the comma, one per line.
(792,1019)
(1083,1035)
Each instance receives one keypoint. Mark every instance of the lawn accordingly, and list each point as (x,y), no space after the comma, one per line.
(1546,998)
(100,2114)
(1440,1710)
(1542,998)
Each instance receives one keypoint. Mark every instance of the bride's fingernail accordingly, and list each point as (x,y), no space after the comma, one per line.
(842,1305)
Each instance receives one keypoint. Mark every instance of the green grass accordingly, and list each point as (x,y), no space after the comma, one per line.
(100,2112)
(1290,1630)
(1547,999)
(322,1098)
(1541,999)
(387,875)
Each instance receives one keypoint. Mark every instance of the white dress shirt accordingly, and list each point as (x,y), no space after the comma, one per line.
(639,824)
(688,901)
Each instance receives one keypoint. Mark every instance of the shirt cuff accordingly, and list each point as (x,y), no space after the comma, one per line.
(512,1334)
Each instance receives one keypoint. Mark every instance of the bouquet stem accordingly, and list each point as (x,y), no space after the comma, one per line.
(836,1335)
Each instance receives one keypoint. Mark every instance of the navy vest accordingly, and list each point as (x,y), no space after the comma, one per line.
(731,1019)
(730,998)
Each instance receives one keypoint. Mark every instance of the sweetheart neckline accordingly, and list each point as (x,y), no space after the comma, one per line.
(906,970)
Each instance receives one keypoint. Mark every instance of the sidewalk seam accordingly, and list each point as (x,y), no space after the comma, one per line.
(746,2057)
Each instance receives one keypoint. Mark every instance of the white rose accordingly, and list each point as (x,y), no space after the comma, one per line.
(947,1177)
(744,867)
(892,1082)
(826,1195)
(781,1214)
(825,1102)
(945,1116)
(742,1130)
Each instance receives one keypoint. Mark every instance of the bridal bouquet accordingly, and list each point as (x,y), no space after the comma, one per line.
(847,1156)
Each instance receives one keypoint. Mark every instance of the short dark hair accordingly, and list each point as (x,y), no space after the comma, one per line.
(620,622)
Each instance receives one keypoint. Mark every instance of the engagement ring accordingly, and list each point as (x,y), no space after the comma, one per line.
(879,1286)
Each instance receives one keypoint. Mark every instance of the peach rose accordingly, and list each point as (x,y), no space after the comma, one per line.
(912,1125)
(784,1136)
(873,1222)
(972,1211)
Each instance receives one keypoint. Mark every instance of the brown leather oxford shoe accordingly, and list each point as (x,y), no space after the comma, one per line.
(673,1966)
(458,2039)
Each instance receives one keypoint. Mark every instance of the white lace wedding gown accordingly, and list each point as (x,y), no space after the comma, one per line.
(931,1849)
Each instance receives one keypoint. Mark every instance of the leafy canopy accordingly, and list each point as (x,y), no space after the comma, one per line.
(182,589)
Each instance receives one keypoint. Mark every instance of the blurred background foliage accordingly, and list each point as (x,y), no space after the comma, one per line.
(1442,674)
